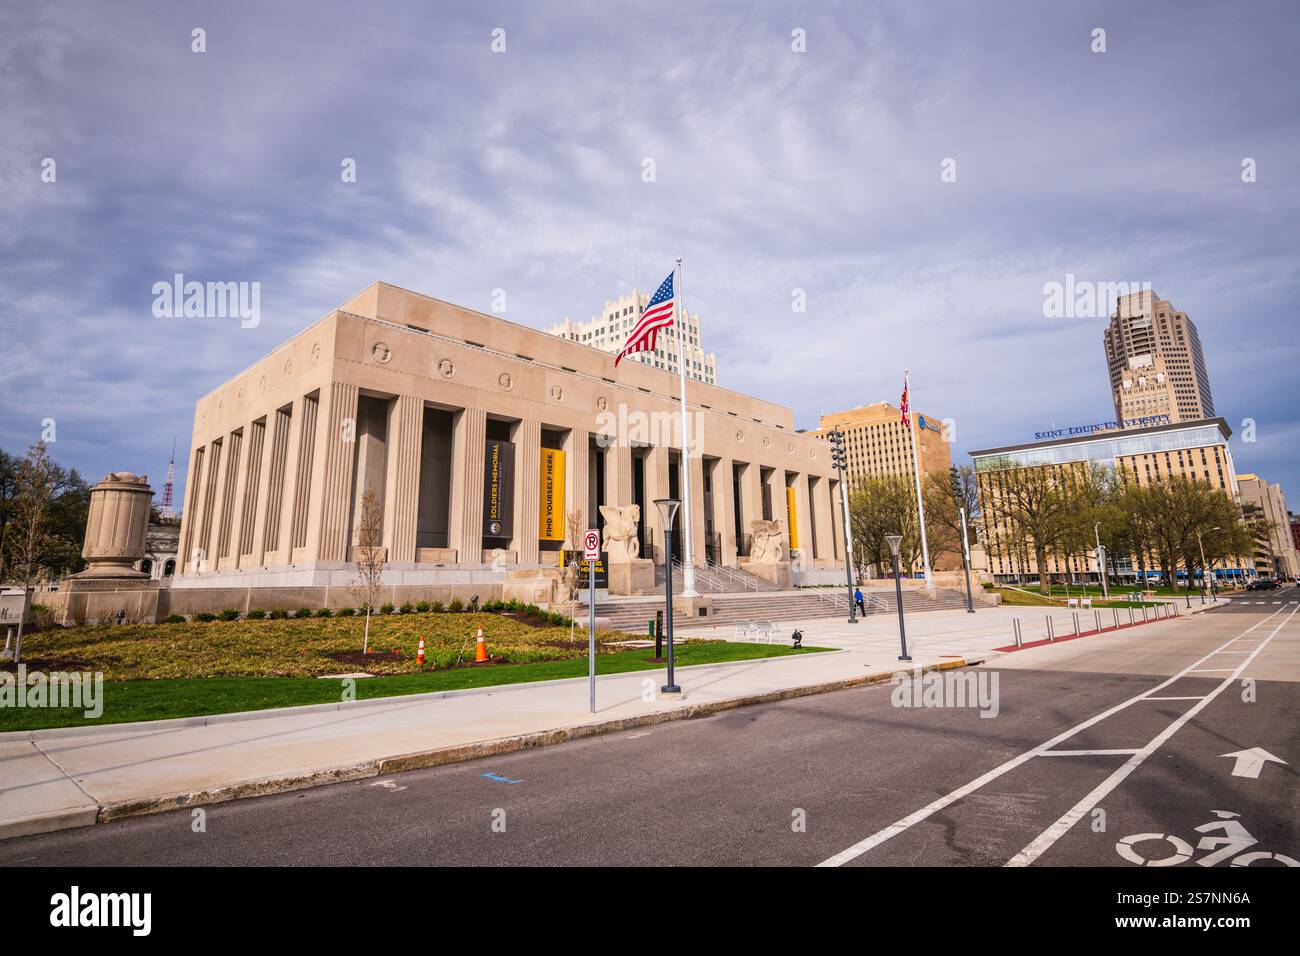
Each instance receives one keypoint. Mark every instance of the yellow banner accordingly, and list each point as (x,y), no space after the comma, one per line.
(551,524)
(790,518)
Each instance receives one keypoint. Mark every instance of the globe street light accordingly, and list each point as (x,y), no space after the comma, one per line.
(668,510)
(894,541)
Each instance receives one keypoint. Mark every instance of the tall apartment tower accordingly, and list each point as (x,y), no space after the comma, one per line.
(1157,367)
(609,331)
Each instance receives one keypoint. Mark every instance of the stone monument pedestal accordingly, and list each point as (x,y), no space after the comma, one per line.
(636,576)
(776,572)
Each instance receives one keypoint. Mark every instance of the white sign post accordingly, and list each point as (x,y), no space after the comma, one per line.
(591,552)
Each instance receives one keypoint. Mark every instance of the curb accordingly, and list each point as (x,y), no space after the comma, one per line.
(238,716)
(42,823)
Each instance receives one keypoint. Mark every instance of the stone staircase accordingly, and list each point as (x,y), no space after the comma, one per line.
(713,579)
(633,614)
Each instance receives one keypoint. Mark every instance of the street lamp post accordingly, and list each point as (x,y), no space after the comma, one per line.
(894,541)
(668,510)
(1101,562)
(959,495)
(1205,571)
(838,460)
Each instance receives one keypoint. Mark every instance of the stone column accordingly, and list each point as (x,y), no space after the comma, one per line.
(751,498)
(697,509)
(823,518)
(618,473)
(577,496)
(338,446)
(190,512)
(837,518)
(528,465)
(239,505)
(656,486)
(282,544)
(470,443)
(724,512)
(402,478)
(117,526)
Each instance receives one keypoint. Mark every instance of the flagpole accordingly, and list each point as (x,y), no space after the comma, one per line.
(916,465)
(688,560)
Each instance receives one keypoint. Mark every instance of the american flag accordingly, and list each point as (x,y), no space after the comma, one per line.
(657,315)
(903,402)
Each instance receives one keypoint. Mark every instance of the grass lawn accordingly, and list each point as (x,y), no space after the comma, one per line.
(299,647)
(1014,598)
(134,700)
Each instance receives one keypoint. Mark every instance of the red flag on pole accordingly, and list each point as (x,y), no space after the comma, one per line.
(902,404)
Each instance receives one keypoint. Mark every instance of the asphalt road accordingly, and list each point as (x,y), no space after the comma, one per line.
(845,778)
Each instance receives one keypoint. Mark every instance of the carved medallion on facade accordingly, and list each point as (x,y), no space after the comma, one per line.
(446,368)
(557,393)
(505,381)
(261,384)
(315,352)
(288,367)
(381,352)
(766,441)
(740,436)
(602,403)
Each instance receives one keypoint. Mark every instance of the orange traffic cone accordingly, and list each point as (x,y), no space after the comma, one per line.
(480,651)
(419,654)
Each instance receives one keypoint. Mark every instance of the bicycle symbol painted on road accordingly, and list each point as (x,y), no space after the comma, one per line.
(1235,839)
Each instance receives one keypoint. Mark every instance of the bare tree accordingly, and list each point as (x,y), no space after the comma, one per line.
(30,534)
(368,555)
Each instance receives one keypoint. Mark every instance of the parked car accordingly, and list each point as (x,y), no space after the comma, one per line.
(1263,584)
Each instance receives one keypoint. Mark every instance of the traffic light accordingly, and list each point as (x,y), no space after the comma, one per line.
(955,475)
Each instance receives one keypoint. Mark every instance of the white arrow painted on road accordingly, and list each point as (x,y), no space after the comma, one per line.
(1251,762)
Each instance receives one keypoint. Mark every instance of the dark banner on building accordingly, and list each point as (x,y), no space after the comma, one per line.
(498,489)
(602,568)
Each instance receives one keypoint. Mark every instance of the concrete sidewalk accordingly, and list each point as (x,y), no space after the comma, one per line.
(73,777)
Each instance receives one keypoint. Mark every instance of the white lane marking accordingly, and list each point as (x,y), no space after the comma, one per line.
(879,837)
(1044,841)
(1171,698)
(1088,753)
(1215,670)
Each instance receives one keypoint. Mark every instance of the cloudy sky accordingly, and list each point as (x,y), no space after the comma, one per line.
(775,170)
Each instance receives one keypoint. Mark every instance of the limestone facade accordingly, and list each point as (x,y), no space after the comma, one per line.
(477,437)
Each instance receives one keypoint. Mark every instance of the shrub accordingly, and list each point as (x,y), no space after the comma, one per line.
(345,612)
(456,605)
(229,614)
(279,614)
(386,608)
(324,612)
(256,614)
(43,617)
(422,607)
(174,619)
(205,617)
(437,607)
(407,608)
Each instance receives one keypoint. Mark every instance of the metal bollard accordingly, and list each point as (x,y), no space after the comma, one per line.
(1015,626)
(1115,614)
(1076,623)
(1144,613)
(1097,618)
(1130,614)
(1050,635)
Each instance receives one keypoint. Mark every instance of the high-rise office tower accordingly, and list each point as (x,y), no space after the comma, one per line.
(1157,367)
